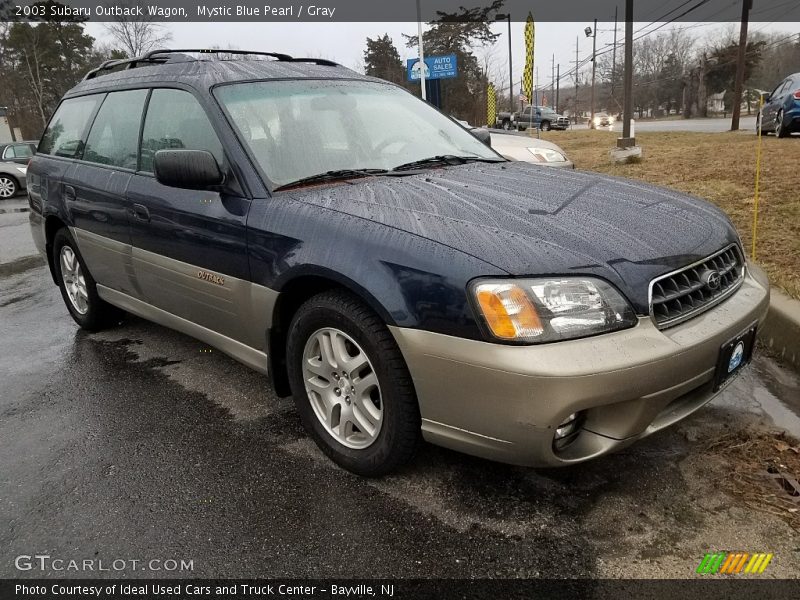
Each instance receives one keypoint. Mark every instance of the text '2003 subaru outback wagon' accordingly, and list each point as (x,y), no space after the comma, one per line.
(392,273)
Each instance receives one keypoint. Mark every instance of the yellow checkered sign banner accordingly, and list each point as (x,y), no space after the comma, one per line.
(530,43)
(491,105)
(733,563)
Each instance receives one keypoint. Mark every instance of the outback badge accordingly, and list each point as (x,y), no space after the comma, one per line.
(210,277)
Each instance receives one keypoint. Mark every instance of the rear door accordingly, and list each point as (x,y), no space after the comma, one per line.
(95,189)
(771,108)
(189,246)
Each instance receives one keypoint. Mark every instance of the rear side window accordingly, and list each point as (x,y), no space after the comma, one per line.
(18,151)
(114,137)
(65,133)
(175,119)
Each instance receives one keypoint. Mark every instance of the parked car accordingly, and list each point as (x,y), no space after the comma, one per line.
(12,179)
(601,120)
(532,150)
(781,111)
(17,152)
(397,277)
(532,117)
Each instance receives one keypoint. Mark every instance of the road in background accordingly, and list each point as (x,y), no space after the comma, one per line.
(747,124)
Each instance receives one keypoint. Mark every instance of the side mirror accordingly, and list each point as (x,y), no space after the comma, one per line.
(188,169)
(482,134)
(765,97)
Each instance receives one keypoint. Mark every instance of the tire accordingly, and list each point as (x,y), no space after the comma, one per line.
(78,287)
(337,319)
(8,186)
(781,130)
(545,125)
(506,125)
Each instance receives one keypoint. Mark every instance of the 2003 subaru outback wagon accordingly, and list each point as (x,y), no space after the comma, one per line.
(394,274)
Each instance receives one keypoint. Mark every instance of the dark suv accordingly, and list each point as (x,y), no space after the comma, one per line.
(391,272)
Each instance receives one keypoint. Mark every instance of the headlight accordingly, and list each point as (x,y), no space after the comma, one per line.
(547,155)
(22,170)
(611,120)
(550,309)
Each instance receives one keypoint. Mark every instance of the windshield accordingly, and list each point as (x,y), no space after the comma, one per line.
(297,129)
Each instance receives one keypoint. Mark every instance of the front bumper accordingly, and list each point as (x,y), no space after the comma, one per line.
(504,402)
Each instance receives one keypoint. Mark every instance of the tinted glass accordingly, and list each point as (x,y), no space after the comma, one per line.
(296,129)
(114,137)
(64,134)
(175,119)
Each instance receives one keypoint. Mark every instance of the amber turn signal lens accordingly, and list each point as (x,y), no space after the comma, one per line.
(508,310)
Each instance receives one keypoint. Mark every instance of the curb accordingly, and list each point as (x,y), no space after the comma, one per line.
(781,330)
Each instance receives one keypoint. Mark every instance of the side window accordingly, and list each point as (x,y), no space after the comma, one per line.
(21,151)
(175,119)
(114,137)
(64,134)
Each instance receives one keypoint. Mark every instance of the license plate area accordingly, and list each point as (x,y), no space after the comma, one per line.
(734,355)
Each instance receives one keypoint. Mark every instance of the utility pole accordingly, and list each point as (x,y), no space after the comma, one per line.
(626,141)
(558,85)
(594,65)
(737,92)
(553,81)
(577,75)
(614,57)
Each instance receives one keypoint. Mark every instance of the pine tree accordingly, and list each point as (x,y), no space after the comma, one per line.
(382,60)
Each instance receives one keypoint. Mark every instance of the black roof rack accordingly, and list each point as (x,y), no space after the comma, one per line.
(162,56)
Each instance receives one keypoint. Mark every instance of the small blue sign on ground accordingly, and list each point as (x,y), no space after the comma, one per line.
(436,67)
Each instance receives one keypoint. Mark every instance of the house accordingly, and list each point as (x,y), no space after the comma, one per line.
(716,102)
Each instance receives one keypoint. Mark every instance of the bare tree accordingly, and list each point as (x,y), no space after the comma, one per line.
(137,37)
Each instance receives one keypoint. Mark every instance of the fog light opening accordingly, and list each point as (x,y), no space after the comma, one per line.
(568,430)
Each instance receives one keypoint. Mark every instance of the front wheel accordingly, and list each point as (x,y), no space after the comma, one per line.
(545,125)
(781,130)
(351,385)
(8,186)
(506,125)
(78,287)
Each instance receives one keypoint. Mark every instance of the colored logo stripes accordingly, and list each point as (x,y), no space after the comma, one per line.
(734,562)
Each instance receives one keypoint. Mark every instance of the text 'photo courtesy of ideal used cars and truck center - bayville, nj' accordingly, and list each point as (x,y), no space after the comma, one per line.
(422,299)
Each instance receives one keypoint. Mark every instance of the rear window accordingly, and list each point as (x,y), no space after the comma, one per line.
(65,135)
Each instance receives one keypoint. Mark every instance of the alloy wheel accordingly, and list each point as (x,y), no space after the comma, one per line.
(74,282)
(7,187)
(343,388)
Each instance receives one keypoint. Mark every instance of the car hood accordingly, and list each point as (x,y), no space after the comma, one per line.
(527,220)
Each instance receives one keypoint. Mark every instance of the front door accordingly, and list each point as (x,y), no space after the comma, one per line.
(189,246)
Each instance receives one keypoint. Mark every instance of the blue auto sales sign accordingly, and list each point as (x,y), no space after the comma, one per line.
(436,67)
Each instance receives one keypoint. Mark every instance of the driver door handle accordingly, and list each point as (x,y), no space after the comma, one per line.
(140,212)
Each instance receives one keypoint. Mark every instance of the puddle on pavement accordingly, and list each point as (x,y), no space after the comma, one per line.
(768,389)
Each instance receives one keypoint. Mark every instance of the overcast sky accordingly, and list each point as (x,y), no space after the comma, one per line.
(345,42)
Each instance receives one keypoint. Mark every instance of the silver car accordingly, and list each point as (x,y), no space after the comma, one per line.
(530,149)
(12,179)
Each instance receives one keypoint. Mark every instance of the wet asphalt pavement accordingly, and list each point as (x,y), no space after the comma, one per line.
(141,443)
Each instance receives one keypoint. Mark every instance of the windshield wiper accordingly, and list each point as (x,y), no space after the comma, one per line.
(444,159)
(333,176)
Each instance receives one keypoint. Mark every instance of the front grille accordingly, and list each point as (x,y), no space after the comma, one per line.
(691,290)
